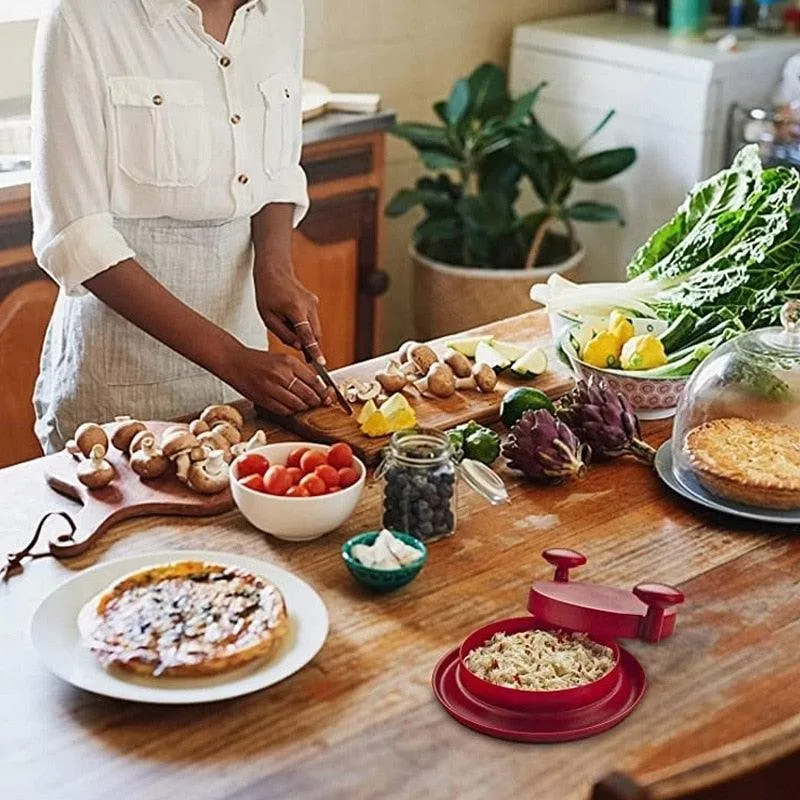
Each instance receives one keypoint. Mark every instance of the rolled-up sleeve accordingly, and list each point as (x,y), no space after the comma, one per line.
(74,237)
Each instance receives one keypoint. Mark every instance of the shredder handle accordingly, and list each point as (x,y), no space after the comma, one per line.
(657,597)
(563,559)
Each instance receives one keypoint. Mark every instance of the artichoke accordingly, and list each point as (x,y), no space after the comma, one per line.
(604,419)
(545,449)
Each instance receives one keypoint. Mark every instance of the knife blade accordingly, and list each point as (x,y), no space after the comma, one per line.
(328,381)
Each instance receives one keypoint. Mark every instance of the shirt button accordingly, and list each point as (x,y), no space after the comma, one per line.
(235,119)
(243,179)
(157,100)
(224,61)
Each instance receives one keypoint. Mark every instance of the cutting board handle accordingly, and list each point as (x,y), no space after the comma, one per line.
(88,523)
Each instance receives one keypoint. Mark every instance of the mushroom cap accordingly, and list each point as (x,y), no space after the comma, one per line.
(198,426)
(178,441)
(441,380)
(222,413)
(88,435)
(459,363)
(391,382)
(404,351)
(423,357)
(147,461)
(230,432)
(124,431)
(485,377)
(209,476)
(138,441)
(96,472)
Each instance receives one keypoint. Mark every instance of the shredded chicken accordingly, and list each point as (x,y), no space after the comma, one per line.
(540,660)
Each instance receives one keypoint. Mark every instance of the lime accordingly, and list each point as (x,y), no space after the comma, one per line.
(522,399)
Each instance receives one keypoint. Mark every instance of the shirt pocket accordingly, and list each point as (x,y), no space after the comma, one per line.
(160,129)
(282,121)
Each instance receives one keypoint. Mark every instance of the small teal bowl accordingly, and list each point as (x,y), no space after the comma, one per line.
(383,580)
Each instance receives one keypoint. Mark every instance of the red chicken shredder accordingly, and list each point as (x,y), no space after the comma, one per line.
(603,614)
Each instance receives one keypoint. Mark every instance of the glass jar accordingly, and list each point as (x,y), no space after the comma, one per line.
(420,473)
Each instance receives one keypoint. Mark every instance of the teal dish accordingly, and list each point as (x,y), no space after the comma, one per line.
(383,580)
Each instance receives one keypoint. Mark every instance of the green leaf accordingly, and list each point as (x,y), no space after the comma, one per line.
(530,222)
(500,172)
(590,211)
(604,165)
(422,136)
(489,91)
(406,199)
(521,109)
(437,230)
(433,159)
(458,102)
(440,109)
(597,128)
(490,214)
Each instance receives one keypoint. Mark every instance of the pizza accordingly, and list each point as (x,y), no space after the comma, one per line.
(756,463)
(185,619)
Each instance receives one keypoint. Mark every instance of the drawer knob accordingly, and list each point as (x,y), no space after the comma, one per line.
(376,283)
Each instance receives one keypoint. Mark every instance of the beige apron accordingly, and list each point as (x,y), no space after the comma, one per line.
(96,365)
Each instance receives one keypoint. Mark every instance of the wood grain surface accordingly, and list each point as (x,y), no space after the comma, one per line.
(126,497)
(332,424)
(361,721)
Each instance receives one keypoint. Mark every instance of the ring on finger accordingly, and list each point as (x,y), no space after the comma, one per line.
(303,322)
(292,383)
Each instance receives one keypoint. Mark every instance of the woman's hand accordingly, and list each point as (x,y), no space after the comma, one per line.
(289,310)
(280,383)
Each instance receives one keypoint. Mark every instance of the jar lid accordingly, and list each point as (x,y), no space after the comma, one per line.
(483,480)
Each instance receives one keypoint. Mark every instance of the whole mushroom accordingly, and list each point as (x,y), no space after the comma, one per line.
(124,431)
(222,413)
(214,440)
(391,380)
(96,472)
(136,442)
(209,476)
(177,446)
(88,435)
(228,431)
(147,461)
(198,426)
(439,381)
(459,363)
(416,358)
(482,377)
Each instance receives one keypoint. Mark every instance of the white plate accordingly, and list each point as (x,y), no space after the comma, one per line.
(54,630)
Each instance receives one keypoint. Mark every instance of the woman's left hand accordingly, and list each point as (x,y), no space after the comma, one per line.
(289,310)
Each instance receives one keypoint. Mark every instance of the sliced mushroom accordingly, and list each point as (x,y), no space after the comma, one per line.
(258,439)
(459,363)
(209,476)
(222,413)
(439,381)
(147,461)
(124,431)
(483,378)
(198,426)
(227,430)
(369,391)
(96,472)
(88,435)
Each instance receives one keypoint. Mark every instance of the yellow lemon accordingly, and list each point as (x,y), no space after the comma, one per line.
(602,350)
(369,409)
(375,426)
(643,352)
(621,326)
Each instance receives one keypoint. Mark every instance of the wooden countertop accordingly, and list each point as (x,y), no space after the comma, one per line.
(360,721)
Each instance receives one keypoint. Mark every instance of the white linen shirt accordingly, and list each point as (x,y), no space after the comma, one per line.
(138,113)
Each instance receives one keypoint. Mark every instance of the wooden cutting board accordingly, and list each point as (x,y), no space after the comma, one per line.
(331,424)
(125,497)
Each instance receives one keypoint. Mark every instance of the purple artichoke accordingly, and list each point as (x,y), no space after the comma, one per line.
(604,420)
(545,449)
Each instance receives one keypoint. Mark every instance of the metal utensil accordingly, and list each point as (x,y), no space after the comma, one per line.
(328,381)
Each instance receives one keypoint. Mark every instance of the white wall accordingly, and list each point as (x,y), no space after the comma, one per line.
(16,47)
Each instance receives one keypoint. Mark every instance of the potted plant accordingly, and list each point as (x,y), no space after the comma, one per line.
(476,255)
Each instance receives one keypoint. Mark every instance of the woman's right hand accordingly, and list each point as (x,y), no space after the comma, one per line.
(280,383)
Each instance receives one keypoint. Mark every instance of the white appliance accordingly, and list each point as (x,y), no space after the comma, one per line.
(672,98)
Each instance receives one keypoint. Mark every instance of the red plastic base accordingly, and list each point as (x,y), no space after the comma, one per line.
(558,726)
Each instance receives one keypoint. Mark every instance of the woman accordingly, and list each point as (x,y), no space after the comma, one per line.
(167,139)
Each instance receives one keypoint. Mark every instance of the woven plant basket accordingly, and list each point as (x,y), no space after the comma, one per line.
(450,299)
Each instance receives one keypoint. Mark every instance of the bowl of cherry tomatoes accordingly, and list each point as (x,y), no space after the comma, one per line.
(297,491)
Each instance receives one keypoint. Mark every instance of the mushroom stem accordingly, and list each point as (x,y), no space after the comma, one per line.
(209,476)
(482,377)
(439,381)
(96,472)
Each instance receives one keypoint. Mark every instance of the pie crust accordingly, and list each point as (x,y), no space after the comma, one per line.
(184,619)
(755,463)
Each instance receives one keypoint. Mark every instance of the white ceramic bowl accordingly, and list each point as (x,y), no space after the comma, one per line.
(295,519)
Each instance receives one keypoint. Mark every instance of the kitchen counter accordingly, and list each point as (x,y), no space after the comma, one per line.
(360,721)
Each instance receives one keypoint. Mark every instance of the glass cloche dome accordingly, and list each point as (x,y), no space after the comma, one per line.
(737,426)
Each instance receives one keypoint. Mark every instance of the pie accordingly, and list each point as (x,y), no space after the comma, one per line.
(756,463)
(185,619)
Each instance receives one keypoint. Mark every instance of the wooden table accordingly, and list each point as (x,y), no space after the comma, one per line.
(360,721)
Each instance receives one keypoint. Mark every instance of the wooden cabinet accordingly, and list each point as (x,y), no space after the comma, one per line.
(336,252)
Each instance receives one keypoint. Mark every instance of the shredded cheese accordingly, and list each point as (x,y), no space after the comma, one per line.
(540,660)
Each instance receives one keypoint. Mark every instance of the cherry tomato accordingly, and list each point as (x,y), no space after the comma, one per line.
(254,482)
(333,489)
(311,460)
(297,491)
(313,484)
(252,464)
(347,477)
(296,473)
(277,480)
(340,456)
(328,474)
(295,456)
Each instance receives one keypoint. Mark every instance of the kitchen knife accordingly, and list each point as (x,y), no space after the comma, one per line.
(328,381)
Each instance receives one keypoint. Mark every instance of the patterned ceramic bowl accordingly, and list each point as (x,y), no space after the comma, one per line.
(651,398)
(383,580)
